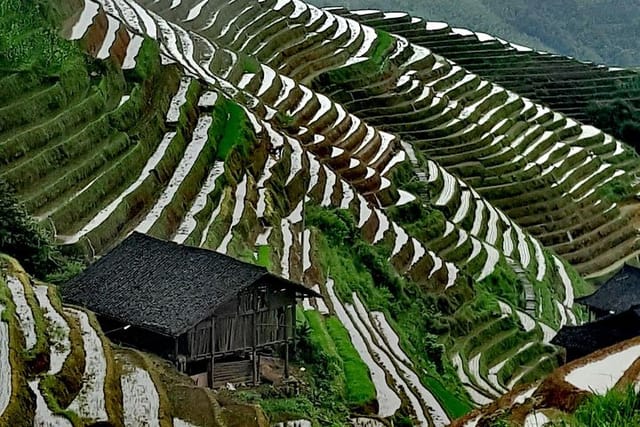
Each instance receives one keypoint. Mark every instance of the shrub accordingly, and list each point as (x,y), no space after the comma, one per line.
(619,118)
(630,132)
(23,238)
(617,408)
(27,41)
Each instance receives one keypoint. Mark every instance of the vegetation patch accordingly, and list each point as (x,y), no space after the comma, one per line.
(28,41)
(359,388)
(24,238)
(375,64)
(21,408)
(235,130)
(617,408)
(417,315)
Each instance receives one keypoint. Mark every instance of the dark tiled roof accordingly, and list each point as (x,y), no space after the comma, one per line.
(582,340)
(163,286)
(618,294)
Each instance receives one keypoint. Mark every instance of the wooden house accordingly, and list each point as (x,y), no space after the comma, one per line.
(617,295)
(580,341)
(210,314)
(615,311)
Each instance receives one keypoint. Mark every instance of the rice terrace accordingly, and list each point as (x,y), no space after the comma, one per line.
(265,213)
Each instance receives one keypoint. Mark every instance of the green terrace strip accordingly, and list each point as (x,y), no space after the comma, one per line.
(235,130)
(375,63)
(359,388)
(384,291)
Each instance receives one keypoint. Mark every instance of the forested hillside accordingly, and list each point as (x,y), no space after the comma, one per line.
(602,31)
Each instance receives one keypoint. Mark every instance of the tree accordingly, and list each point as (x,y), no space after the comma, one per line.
(630,133)
(23,238)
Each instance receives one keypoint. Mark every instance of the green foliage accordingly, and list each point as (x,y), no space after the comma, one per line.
(264,256)
(287,408)
(417,317)
(377,61)
(250,64)
(619,118)
(23,238)
(237,129)
(67,272)
(473,313)
(617,189)
(503,282)
(383,44)
(614,409)
(147,61)
(434,351)
(630,132)
(420,221)
(617,408)
(338,226)
(359,388)
(28,41)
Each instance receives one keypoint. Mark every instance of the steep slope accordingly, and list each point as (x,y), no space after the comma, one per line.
(614,369)
(59,369)
(417,197)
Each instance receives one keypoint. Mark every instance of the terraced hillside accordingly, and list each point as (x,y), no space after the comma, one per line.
(607,377)
(564,84)
(444,218)
(591,31)
(59,369)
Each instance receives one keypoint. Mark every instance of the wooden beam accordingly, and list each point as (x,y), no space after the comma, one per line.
(212,350)
(254,338)
(175,350)
(293,322)
(292,315)
(286,359)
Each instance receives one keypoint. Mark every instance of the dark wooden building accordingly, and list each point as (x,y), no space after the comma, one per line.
(580,341)
(615,306)
(616,295)
(210,314)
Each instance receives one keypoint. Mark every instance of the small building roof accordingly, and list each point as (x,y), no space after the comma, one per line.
(582,340)
(618,294)
(165,287)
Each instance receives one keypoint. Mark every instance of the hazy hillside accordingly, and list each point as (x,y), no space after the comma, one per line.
(603,31)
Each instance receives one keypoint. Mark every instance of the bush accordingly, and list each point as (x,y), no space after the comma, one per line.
(630,132)
(615,409)
(23,238)
(28,41)
(619,118)
(617,190)
(338,226)
(434,351)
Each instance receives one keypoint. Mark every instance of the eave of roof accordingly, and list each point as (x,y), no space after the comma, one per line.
(149,283)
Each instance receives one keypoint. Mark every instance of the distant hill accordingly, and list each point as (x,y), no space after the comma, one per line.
(603,31)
